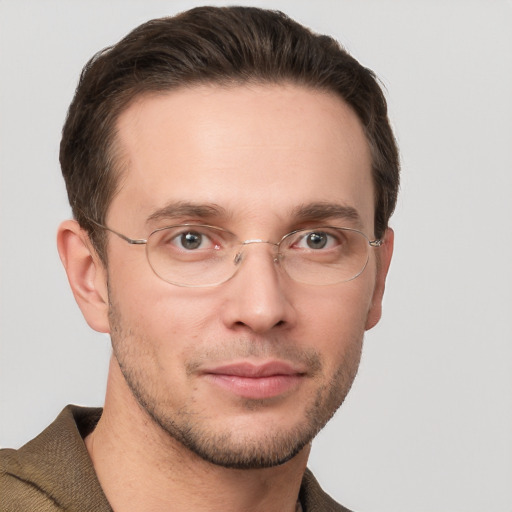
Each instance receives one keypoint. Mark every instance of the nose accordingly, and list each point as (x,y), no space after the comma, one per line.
(257,299)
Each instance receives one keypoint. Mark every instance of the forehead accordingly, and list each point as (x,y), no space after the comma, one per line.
(257,151)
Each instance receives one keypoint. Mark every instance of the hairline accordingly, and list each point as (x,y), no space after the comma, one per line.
(117,160)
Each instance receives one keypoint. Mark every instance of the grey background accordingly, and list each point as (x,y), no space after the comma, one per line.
(428,424)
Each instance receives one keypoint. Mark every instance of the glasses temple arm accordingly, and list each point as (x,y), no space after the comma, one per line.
(120,235)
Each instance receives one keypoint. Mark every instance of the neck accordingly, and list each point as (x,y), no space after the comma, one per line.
(141,468)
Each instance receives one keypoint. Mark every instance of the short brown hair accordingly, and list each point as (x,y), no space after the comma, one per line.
(224,45)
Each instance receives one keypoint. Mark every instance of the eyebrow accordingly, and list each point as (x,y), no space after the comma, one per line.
(323,211)
(312,212)
(179,209)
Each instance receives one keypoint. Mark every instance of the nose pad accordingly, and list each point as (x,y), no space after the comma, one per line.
(239,256)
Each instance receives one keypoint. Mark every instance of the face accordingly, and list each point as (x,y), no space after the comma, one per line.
(244,373)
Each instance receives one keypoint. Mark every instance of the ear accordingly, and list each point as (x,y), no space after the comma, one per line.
(385,251)
(86,273)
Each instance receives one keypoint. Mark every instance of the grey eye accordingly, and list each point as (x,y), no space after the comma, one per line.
(317,240)
(191,240)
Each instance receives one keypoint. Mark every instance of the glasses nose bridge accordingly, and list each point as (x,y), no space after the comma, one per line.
(258,241)
(253,241)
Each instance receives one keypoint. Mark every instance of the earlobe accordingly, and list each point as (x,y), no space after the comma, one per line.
(383,262)
(87,275)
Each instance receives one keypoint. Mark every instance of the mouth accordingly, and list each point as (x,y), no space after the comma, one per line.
(256,381)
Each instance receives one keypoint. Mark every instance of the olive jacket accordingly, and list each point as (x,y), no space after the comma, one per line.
(53,472)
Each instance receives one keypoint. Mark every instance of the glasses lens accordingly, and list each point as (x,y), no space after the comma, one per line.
(200,255)
(191,255)
(324,255)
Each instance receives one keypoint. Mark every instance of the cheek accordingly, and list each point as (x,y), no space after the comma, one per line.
(167,321)
(333,318)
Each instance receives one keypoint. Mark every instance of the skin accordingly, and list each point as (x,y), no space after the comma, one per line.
(258,154)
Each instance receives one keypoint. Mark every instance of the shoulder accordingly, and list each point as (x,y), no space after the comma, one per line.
(52,471)
(314,499)
(19,493)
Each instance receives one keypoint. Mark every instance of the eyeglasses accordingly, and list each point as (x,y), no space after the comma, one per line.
(199,255)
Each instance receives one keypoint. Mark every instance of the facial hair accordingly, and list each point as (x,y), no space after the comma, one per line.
(223,446)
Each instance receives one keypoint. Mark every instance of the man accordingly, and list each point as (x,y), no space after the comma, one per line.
(231,176)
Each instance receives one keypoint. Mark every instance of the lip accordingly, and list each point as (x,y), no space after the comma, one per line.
(255,381)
